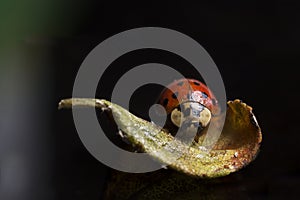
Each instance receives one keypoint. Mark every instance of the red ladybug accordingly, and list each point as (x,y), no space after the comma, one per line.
(189,102)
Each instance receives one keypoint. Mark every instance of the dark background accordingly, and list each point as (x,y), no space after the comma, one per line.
(254,44)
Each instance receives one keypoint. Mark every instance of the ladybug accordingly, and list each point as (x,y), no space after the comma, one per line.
(188,102)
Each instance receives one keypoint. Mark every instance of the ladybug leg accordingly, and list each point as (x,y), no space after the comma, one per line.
(200,133)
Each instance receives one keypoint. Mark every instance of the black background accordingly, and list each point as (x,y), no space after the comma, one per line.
(254,45)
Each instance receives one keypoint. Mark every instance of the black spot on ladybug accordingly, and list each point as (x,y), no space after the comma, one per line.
(174,95)
(165,101)
(196,83)
(204,94)
(180,83)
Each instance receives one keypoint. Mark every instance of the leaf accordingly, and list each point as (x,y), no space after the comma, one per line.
(237,146)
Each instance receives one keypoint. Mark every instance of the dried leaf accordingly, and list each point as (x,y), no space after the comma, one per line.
(238,145)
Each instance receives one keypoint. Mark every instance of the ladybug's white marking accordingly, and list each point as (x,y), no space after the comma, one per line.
(205,117)
(196,114)
(197,96)
(176,117)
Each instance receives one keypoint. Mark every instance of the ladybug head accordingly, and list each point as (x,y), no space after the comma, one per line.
(191,114)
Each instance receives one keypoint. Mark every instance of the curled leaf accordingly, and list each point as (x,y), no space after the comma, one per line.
(237,146)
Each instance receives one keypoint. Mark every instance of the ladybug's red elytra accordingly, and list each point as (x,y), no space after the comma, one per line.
(189,101)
